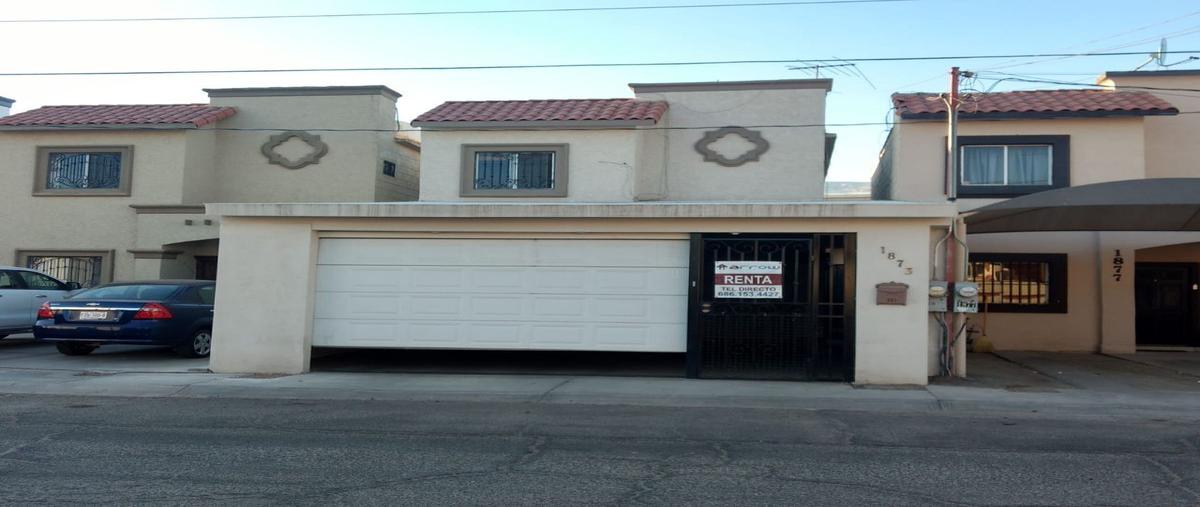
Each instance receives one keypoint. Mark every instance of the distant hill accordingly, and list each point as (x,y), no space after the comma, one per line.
(848,188)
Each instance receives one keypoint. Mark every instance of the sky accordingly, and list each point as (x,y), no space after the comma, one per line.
(910,28)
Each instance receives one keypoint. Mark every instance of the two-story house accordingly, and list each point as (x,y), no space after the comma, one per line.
(116,192)
(686,219)
(1112,291)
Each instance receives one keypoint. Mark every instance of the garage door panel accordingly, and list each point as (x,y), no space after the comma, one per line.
(503,308)
(500,252)
(433,280)
(502,294)
(513,336)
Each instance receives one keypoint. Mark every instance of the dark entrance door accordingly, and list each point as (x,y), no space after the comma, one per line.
(805,334)
(1165,294)
(206,267)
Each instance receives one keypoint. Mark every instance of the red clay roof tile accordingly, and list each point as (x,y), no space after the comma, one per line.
(632,110)
(183,115)
(1035,103)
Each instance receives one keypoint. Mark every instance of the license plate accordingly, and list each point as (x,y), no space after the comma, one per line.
(93,315)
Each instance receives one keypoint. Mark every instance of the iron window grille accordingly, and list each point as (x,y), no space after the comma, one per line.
(86,270)
(515,170)
(83,171)
(1020,283)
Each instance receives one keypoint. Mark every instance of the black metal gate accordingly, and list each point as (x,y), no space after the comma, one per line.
(807,334)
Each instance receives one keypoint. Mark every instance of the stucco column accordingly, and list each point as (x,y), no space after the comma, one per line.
(892,340)
(263,319)
(1118,332)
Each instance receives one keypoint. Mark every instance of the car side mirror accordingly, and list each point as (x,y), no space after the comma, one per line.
(73,286)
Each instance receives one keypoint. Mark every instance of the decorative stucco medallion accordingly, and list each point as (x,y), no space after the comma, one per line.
(704,146)
(317,149)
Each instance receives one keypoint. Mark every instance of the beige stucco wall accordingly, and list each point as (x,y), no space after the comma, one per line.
(200,182)
(1100,307)
(1172,142)
(792,169)
(660,162)
(1079,329)
(891,344)
(601,163)
(192,167)
(405,185)
(104,223)
(1102,149)
(346,173)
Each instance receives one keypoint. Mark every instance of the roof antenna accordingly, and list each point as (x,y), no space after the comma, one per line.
(1160,57)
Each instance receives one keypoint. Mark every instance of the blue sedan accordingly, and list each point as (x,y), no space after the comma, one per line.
(175,313)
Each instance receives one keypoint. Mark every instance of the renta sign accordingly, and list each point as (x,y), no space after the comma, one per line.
(748,279)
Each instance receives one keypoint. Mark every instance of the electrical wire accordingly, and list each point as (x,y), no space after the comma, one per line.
(1032,79)
(569,65)
(451,13)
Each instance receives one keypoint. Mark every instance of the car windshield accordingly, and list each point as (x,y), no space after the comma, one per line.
(144,292)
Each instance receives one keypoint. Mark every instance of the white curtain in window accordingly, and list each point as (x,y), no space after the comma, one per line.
(983,165)
(1028,165)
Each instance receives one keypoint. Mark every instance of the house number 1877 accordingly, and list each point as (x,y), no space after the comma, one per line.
(1118,266)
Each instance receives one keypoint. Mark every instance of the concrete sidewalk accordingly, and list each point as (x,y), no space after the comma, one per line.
(1014,383)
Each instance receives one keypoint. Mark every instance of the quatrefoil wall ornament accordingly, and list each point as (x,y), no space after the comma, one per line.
(317,149)
(704,146)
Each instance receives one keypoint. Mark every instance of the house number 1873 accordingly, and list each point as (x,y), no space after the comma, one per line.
(891,257)
(1118,266)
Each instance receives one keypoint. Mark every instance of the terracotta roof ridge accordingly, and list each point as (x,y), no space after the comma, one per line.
(134,105)
(551,100)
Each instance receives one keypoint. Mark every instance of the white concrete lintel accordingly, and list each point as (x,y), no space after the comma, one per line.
(814,209)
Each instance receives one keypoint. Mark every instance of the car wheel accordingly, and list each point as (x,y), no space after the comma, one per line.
(75,349)
(199,346)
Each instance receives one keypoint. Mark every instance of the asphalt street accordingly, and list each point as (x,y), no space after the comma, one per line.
(151,450)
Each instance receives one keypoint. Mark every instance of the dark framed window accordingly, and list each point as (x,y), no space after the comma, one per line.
(514,170)
(1020,282)
(389,168)
(87,268)
(83,171)
(1007,166)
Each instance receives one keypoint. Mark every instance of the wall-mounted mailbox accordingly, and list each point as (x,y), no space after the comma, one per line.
(891,293)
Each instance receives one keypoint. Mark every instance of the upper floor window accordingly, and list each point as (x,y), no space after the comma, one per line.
(1006,166)
(83,171)
(515,170)
(389,168)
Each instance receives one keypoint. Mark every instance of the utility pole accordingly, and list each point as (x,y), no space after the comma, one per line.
(952,104)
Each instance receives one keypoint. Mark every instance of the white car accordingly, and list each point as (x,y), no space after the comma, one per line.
(22,292)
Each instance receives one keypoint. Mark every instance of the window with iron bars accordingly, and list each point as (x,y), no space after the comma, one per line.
(1020,283)
(86,270)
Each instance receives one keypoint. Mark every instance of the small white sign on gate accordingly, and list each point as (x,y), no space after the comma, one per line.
(748,279)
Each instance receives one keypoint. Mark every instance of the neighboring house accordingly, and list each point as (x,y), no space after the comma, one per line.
(116,192)
(1063,291)
(688,218)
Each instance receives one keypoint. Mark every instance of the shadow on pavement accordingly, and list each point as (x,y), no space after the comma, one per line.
(20,351)
(631,364)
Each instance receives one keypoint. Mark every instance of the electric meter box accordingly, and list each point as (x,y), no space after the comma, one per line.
(939,296)
(966,297)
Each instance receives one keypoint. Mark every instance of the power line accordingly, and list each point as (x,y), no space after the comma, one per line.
(451,13)
(571,65)
(1029,79)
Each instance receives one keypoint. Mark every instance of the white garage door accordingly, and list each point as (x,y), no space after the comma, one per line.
(541,294)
